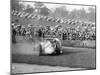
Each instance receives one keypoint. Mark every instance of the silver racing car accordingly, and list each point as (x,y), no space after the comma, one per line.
(50,46)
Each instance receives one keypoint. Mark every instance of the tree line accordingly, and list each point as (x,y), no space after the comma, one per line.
(59,12)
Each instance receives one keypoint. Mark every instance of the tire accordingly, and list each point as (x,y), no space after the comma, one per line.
(40,53)
(58,49)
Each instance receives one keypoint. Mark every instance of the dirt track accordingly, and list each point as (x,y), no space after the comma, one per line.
(71,57)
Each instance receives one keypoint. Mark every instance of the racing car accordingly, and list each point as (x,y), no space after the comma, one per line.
(50,46)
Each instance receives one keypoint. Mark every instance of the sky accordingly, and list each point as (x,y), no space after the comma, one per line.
(52,7)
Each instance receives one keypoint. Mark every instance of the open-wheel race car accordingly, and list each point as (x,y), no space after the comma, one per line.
(50,46)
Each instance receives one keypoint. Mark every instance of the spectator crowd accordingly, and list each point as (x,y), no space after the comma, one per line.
(78,30)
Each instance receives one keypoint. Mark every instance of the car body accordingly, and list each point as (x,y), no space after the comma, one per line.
(50,46)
